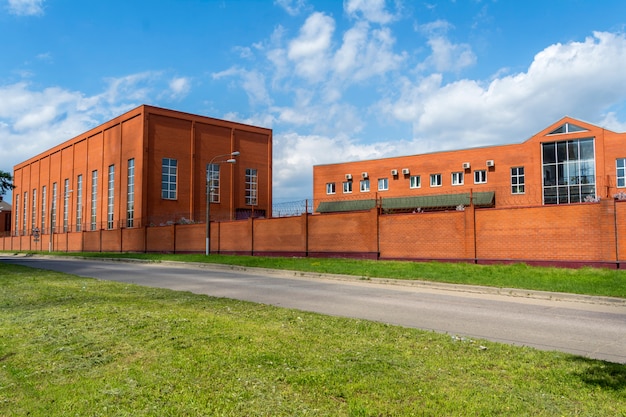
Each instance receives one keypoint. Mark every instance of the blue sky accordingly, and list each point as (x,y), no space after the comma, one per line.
(336,81)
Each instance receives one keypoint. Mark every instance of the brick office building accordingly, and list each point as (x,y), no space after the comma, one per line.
(147,167)
(568,162)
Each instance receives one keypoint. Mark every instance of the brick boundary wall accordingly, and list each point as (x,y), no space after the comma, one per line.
(588,234)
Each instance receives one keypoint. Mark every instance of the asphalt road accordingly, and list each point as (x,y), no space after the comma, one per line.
(586,326)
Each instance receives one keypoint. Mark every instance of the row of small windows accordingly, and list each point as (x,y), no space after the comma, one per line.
(457,178)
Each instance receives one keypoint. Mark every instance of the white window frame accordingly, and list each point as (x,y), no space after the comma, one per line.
(347,187)
(94,200)
(415,181)
(520,186)
(331,188)
(457,178)
(79,203)
(364,185)
(111,198)
(620,172)
(169,179)
(252,187)
(44,197)
(213,181)
(130,194)
(480,176)
(435,180)
(383,184)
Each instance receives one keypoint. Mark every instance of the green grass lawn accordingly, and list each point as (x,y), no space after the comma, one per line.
(72,346)
(590,281)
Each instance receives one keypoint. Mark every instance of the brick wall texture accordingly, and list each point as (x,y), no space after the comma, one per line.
(573,235)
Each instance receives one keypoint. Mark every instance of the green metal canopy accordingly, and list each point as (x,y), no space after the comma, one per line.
(348,205)
(441,201)
(482,199)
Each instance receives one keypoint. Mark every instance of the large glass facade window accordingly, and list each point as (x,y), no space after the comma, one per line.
(169,173)
(130,194)
(79,203)
(111,197)
(213,182)
(568,171)
(94,200)
(252,180)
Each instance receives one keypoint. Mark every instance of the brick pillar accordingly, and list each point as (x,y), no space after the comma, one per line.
(608,230)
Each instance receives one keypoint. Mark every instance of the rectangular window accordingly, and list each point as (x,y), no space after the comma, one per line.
(33,214)
(43,208)
(457,178)
(383,184)
(364,185)
(621,172)
(347,187)
(53,210)
(130,194)
(94,200)
(415,181)
(517,180)
(252,198)
(25,216)
(111,198)
(568,171)
(17,215)
(435,180)
(169,174)
(66,201)
(480,176)
(330,188)
(213,182)
(79,203)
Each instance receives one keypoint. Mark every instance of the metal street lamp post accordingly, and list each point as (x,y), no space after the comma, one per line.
(209,189)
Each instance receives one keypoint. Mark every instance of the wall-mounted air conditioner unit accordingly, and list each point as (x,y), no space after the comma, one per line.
(348,177)
(466,165)
(364,174)
(394,172)
(491,163)
(405,171)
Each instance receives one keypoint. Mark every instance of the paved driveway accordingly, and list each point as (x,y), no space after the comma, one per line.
(589,326)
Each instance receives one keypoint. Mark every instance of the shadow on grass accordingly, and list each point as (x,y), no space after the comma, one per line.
(605,375)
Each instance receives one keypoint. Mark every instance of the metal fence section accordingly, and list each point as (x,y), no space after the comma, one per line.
(291,208)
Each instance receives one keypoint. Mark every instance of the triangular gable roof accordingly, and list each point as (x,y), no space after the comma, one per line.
(563,127)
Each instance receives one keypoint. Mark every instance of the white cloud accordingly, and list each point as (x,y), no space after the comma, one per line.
(179,87)
(292,7)
(580,79)
(26,7)
(370,10)
(33,120)
(295,155)
(310,51)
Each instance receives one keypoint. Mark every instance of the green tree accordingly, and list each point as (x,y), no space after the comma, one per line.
(6,182)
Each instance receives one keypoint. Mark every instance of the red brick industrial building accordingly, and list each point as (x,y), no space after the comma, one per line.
(568,162)
(146,167)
